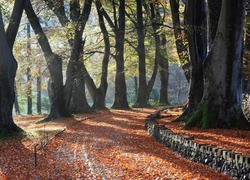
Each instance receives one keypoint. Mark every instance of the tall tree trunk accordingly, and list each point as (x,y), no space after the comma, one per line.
(28,73)
(141,96)
(76,55)
(38,90)
(8,67)
(180,38)
(164,71)
(157,49)
(221,102)
(120,101)
(196,22)
(54,61)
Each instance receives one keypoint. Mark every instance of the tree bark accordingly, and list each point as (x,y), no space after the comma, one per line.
(16,104)
(246,60)
(78,101)
(214,9)
(221,102)
(164,71)
(8,67)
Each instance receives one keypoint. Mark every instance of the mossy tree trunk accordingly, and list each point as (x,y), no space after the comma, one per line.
(221,102)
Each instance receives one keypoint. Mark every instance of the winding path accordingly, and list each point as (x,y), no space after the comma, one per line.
(115,145)
(110,145)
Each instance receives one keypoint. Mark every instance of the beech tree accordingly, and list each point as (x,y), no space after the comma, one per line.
(118,26)
(160,60)
(58,108)
(8,67)
(220,105)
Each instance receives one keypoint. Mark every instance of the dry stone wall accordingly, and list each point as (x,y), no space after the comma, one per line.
(234,165)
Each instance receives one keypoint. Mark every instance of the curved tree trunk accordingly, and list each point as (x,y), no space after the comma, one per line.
(54,61)
(8,67)
(11,33)
(98,94)
(221,102)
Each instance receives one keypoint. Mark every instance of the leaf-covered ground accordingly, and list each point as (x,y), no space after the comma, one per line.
(105,145)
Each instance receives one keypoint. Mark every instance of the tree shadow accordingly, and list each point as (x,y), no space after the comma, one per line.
(125,134)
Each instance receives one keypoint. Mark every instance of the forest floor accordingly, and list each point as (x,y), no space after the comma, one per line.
(107,145)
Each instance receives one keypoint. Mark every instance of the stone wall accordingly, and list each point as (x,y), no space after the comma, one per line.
(246,105)
(234,165)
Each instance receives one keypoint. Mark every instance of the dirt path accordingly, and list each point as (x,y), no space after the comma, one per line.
(111,145)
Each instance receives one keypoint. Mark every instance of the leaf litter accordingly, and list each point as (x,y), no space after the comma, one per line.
(112,144)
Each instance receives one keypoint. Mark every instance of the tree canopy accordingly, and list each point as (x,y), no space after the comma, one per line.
(79,56)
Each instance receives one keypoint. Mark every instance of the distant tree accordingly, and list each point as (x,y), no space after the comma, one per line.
(98,94)
(180,37)
(28,73)
(163,58)
(117,23)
